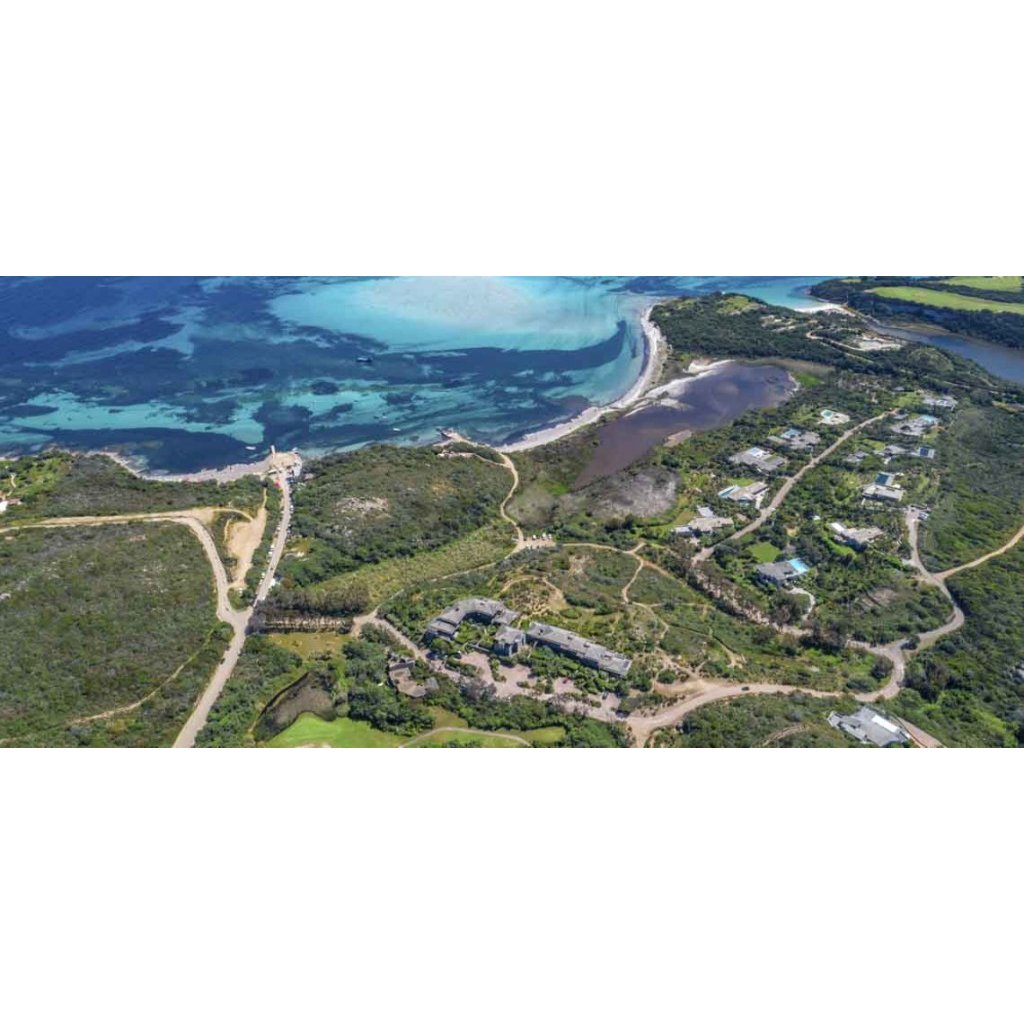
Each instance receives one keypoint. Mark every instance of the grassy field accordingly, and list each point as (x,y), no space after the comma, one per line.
(309,730)
(547,737)
(948,300)
(305,645)
(99,618)
(764,551)
(488,544)
(987,284)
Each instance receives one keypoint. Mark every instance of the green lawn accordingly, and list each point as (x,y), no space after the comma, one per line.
(987,284)
(547,737)
(948,300)
(305,645)
(764,551)
(309,730)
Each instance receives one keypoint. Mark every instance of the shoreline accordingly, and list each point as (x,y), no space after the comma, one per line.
(655,354)
(223,475)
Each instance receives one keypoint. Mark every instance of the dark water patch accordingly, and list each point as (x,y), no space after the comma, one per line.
(146,330)
(29,410)
(709,401)
(505,363)
(999,360)
(164,450)
(37,302)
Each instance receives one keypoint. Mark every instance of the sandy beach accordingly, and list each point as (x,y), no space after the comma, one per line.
(655,351)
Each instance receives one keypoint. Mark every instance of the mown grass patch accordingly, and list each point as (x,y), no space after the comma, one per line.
(948,300)
(986,284)
(547,737)
(305,645)
(310,731)
(764,551)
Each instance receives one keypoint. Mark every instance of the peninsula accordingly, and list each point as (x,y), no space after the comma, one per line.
(787,532)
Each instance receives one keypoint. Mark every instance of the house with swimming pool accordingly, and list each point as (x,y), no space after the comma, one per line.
(779,574)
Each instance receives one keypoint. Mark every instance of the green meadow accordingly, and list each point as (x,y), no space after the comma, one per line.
(948,300)
(987,284)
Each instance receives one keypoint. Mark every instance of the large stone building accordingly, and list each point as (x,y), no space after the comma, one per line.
(584,651)
(475,609)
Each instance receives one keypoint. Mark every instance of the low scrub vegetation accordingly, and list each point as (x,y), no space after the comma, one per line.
(106,633)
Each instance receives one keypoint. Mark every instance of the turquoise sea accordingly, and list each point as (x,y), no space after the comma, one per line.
(188,373)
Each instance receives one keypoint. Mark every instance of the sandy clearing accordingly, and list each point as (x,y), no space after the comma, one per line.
(242,537)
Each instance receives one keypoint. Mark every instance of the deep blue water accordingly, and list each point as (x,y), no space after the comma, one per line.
(189,373)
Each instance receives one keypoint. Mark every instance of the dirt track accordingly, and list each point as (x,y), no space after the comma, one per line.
(238,620)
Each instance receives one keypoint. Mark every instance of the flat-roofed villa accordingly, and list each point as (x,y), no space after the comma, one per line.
(475,609)
(588,653)
(883,492)
(759,459)
(798,440)
(939,401)
(781,573)
(747,493)
(870,726)
(831,418)
(700,525)
(858,537)
(917,426)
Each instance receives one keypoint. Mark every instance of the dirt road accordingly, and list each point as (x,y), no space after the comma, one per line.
(505,461)
(238,620)
(1011,543)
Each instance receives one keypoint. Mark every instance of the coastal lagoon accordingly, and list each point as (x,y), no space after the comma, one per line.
(999,360)
(708,400)
(192,373)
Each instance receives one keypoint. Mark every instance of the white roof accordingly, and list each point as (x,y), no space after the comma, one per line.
(885,723)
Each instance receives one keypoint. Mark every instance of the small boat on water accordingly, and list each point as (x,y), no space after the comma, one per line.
(364,359)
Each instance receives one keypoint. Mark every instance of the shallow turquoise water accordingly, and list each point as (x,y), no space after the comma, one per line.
(196,372)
